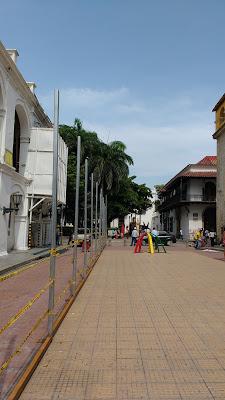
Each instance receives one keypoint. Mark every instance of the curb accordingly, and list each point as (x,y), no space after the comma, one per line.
(25,262)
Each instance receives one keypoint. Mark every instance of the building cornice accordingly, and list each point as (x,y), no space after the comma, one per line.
(219,132)
(221,100)
(10,171)
(15,74)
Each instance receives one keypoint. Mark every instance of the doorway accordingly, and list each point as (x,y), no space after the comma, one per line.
(209,219)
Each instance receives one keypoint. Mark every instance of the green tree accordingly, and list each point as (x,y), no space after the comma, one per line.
(131,198)
(158,188)
(110,166)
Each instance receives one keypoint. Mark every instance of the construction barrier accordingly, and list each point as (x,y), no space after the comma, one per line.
(62,301)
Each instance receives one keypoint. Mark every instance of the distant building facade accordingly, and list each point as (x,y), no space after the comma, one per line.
(219,135)
(188,200)
(144,218)
(135,219)
(26,150)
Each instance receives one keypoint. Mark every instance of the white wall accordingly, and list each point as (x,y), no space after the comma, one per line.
(35,153)
(11,183)
(114,223)
(184,222)
(156,221)
(40,163)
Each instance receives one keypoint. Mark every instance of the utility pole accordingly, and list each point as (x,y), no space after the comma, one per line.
(73,288)
(51,299)
(96,217)
(92,198)
(85,215)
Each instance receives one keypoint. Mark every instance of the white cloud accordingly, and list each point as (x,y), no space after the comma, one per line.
(162,135)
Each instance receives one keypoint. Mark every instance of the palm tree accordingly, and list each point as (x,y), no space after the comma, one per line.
(112,165)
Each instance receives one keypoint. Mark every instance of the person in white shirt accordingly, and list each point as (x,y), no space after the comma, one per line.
(155,232)
(134,236)
(212,238)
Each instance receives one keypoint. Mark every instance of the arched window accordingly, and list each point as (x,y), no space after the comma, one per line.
(209,218)
(16,143)
(21,138)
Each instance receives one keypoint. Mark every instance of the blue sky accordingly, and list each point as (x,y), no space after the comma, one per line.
(145,72)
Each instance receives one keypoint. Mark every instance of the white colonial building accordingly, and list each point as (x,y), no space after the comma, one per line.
(188,200)
(135,219)
(26,151)
(146,218)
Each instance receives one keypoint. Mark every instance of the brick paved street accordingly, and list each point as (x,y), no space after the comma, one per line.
(18,291)
(142,327)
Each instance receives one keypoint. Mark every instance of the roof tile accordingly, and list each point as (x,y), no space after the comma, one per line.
(208,160)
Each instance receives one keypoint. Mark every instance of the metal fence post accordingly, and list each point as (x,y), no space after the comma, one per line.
(51,298)
(103,221)
(96,218)
(74,272)
(104,224)
(85,215)
(100,220)
(106,216)
(92,195)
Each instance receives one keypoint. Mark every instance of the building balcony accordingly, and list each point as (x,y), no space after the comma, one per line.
(200,198)
(183,198)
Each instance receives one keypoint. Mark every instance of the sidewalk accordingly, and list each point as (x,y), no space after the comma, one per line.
(142,327)
(17,258)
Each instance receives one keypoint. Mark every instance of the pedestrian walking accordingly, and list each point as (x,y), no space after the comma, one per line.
(206,234)
(58,236)
(134,236)
(181,234)
(212,238)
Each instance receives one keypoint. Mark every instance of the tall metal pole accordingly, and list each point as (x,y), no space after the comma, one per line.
(96,217)
(51,299)
(100,220)
(102,217)
(106,216)
(105,230)
(92,199)
(85,214)
(76,219)
(103,222)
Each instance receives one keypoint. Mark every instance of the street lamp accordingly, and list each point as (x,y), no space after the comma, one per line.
(17,199)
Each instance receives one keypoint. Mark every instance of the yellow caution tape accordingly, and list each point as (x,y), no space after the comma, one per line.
(53,252)
(24,309)
(11,274)
(20,270)
(63,292)
(17,272)
(18,349)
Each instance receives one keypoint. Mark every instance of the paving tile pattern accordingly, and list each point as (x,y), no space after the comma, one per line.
(143,327)
(15,293)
